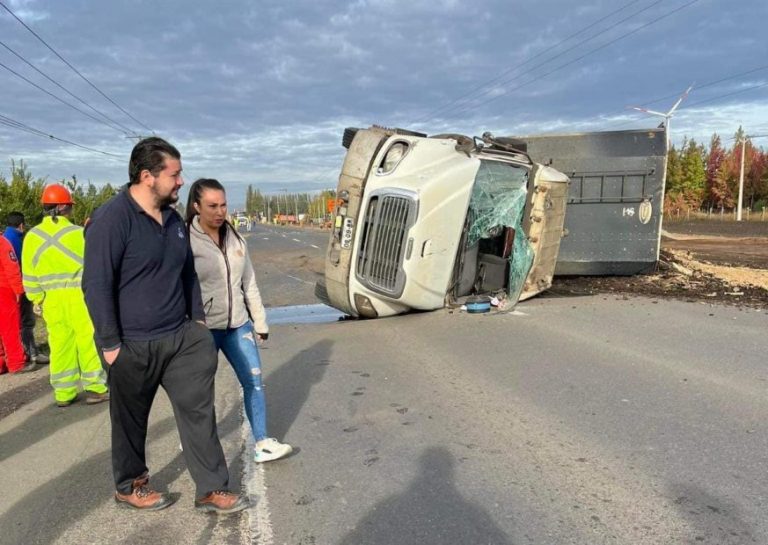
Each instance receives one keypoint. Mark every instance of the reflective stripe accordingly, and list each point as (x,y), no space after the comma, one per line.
(55,286)
(92,374)
(65,385)
(28,278)
(54,242)
(63,374)
(58,276)
(46,282)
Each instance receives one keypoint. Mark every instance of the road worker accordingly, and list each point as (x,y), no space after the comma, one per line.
(52,264)
(11,290)
(14,232)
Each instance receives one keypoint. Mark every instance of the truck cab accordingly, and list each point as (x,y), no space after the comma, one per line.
(422,222)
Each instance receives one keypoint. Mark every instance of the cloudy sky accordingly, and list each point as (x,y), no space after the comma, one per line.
(260,92)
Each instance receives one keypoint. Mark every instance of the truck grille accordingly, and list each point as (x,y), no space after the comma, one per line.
(383,242)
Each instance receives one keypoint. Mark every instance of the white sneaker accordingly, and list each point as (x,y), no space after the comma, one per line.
(270,449)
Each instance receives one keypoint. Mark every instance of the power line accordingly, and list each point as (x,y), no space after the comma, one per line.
(623,123)
(47,92)
(9,122)
(520,65)
(595,50)
(70,93)
(675,95)
(710,84)
(2,4)
(726,95)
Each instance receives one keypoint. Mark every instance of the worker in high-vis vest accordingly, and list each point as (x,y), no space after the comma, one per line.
(52,269)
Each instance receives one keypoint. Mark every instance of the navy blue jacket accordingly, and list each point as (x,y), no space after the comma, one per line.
(139,276)
(15,238)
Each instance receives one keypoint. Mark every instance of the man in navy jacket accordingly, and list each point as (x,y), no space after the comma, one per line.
(144,299)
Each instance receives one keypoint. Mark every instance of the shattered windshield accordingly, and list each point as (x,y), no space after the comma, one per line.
(498,201)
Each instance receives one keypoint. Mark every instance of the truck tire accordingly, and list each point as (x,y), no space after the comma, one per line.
(349,135)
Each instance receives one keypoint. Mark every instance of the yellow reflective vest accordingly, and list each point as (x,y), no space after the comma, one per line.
(52,258)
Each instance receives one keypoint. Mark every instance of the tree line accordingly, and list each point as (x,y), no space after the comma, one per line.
(22,193)
(313,205)
(699,177)
(707,178)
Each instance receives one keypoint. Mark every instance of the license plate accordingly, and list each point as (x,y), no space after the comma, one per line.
(346,232)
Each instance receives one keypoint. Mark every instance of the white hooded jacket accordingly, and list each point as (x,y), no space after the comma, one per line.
(227,281)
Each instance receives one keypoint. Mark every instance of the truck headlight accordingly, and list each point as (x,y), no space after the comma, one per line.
(365,307)
(393,157)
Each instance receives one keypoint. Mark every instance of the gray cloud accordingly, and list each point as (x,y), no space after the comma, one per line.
(260,94)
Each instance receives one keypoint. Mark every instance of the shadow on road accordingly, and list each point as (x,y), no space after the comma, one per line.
(431,511)
(711,519)
(40,516)
(25,393)
(43,423)
(291,384)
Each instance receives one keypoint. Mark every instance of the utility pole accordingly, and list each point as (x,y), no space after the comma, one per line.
(743,141)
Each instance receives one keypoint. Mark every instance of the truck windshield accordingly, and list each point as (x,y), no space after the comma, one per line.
(497,204)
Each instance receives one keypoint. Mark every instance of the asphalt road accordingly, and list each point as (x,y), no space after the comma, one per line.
(288,262)
(573,420)
(579,420)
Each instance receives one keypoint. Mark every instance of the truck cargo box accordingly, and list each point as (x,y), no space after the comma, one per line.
(615,198)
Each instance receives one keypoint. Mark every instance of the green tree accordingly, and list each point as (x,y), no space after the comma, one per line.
(21,194)
(717,192)
(249,200)
(87,198)
(674,172)
(692,173)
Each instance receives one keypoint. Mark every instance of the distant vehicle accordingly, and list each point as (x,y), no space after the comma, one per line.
(240,219)
(283,219)
(424,221)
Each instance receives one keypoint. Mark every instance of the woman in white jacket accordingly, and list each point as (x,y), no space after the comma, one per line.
(233,308)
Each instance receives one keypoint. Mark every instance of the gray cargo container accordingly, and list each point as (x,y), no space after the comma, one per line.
(615,198)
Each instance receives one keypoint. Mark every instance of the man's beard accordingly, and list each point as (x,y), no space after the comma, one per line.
(167,200)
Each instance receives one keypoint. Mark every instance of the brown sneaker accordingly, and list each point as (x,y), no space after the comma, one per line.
(221,502)
(91,398)
(143,497)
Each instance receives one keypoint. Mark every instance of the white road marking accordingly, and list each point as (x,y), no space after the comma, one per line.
(296,240)
(298,279)
(318,247)
(266,238)
(259,520)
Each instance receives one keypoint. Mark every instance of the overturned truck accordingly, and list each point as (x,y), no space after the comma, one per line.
(421,222)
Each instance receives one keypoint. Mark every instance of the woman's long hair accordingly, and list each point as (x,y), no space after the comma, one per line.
(195,194)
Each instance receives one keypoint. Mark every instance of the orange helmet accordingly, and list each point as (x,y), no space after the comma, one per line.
(56,194)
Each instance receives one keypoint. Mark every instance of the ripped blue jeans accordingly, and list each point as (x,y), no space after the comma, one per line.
(239,347)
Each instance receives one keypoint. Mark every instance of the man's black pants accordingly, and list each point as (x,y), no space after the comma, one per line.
(184,364)
(27,326)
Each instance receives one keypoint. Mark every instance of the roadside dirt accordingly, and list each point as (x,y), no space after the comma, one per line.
(707,261)
(21,388)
